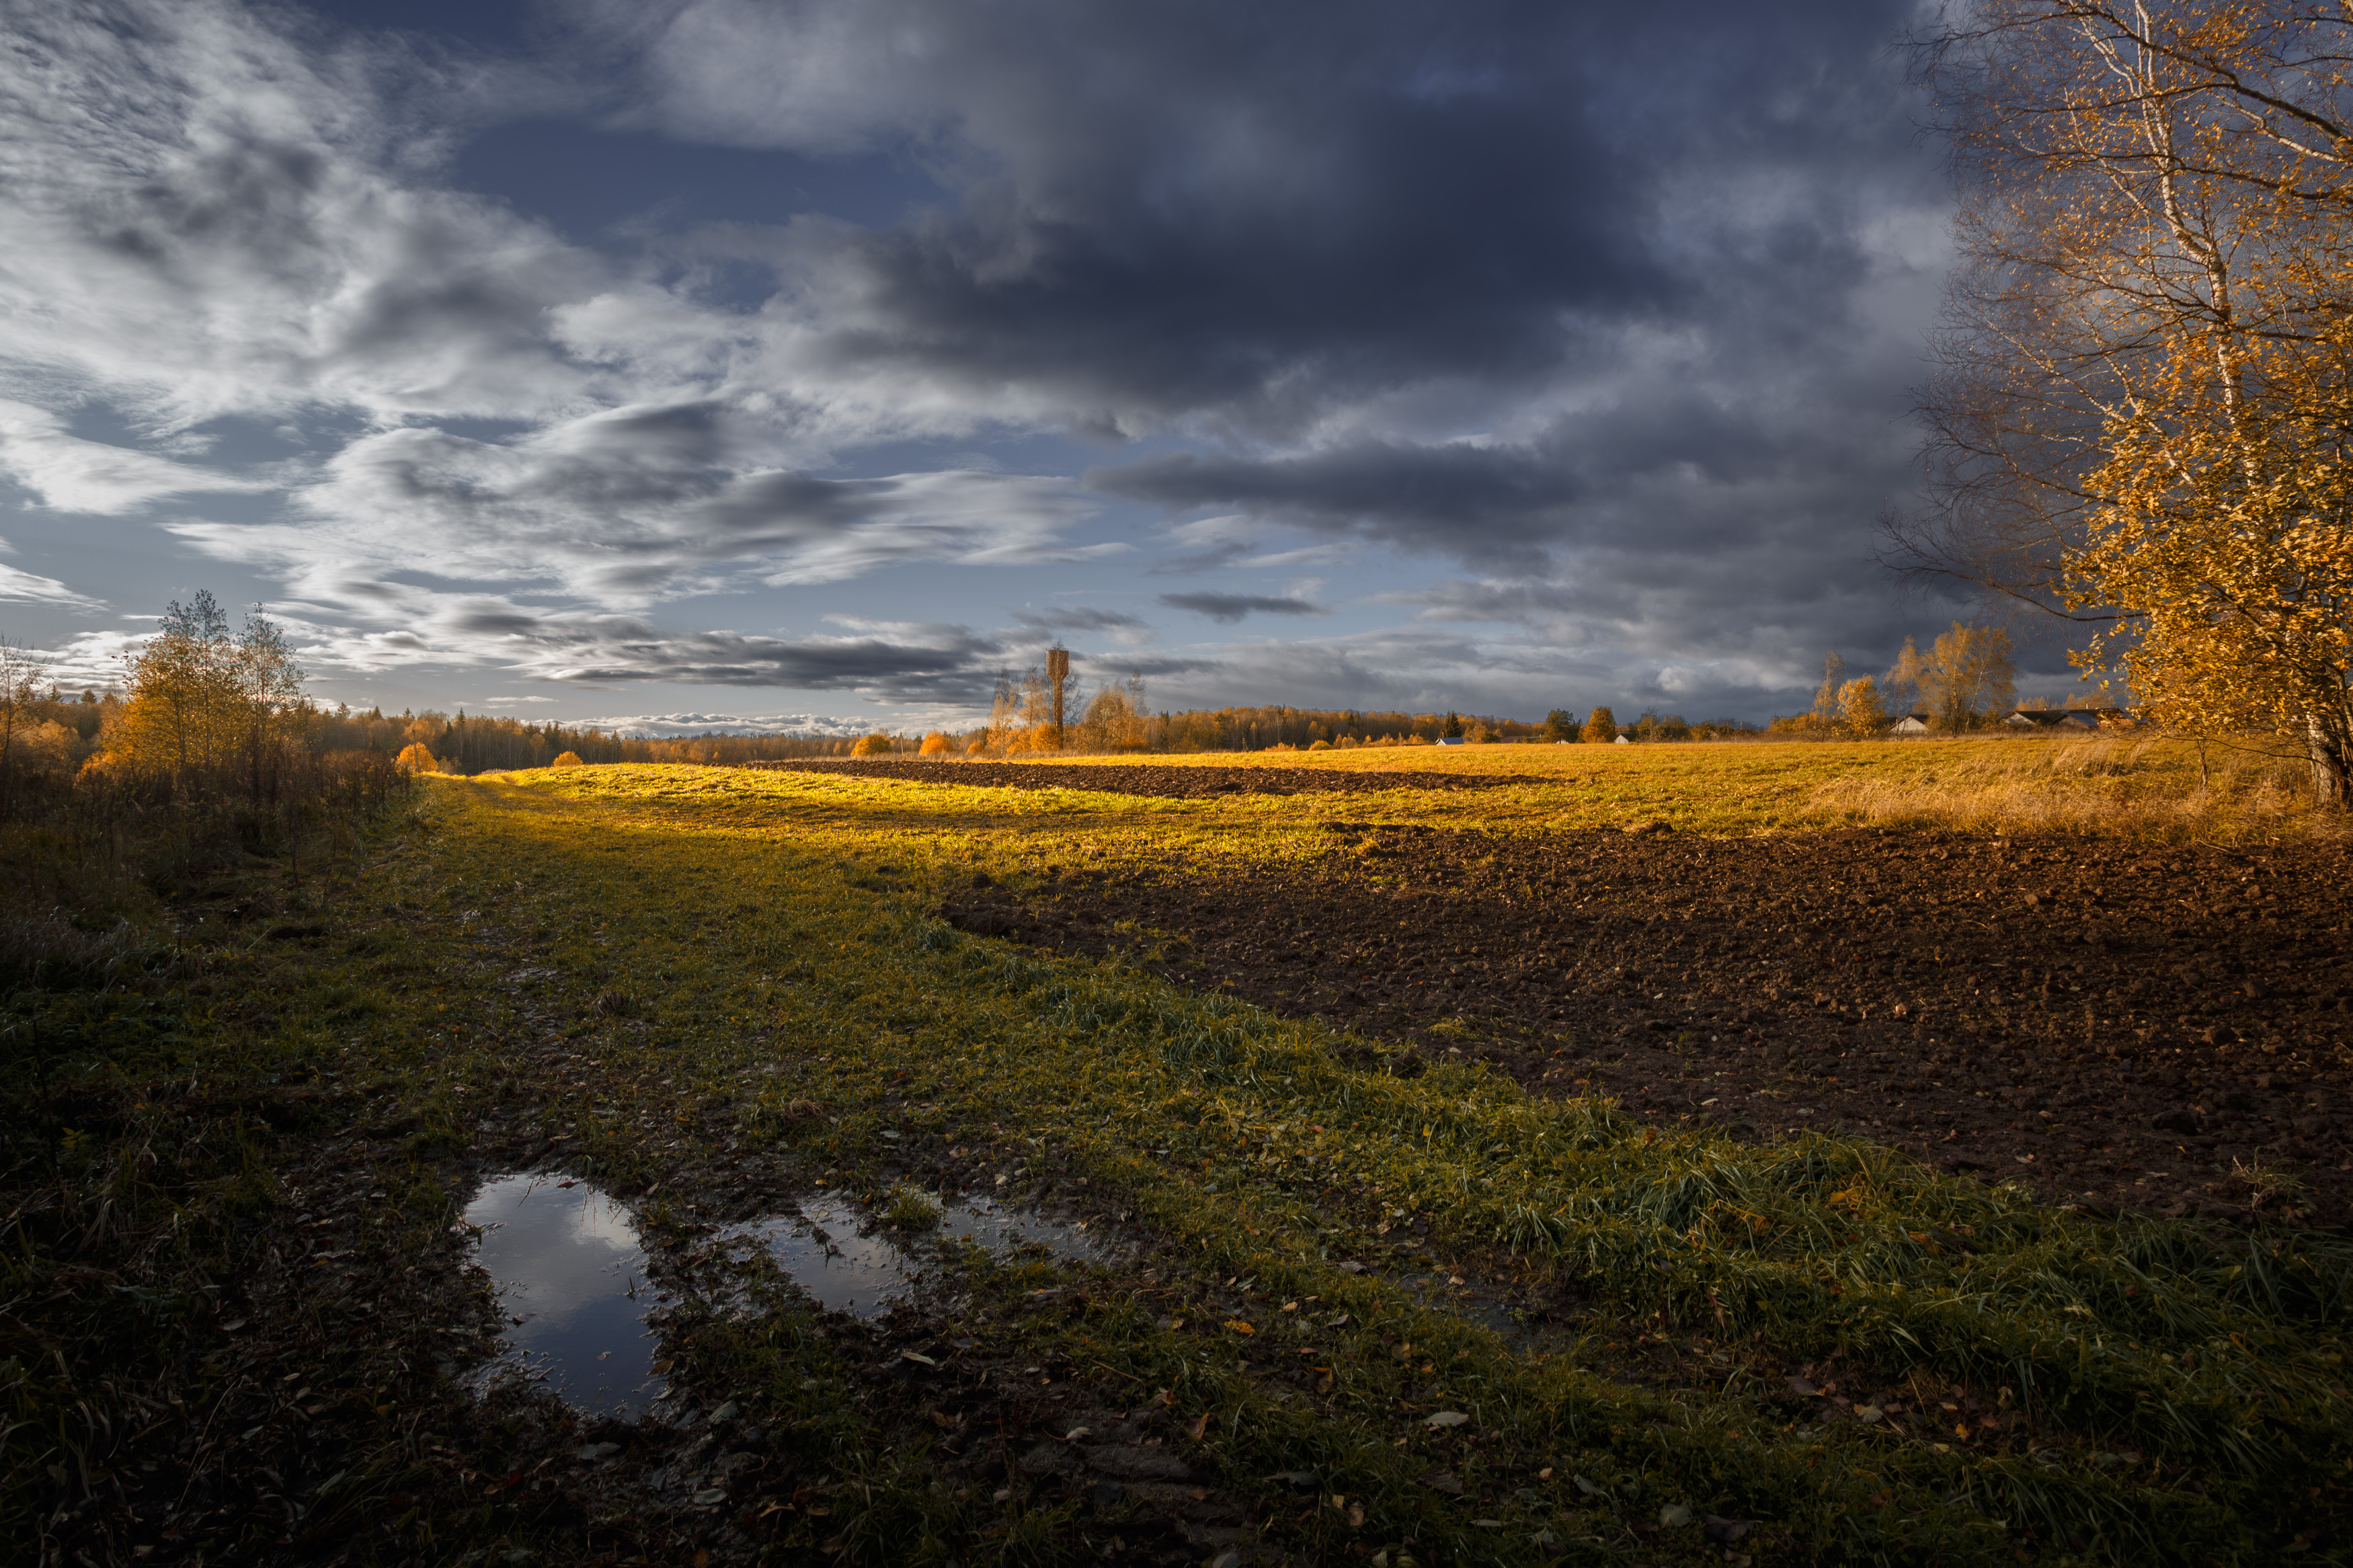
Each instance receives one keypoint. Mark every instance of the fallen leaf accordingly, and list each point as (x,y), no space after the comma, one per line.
(1239,1326)
(1199,1429)
(1674,1516)
(1446,1418)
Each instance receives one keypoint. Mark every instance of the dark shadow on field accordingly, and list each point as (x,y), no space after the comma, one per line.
(2116,1024)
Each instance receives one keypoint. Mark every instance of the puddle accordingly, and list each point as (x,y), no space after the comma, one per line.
(845,1271)
(572,1280)
(841,1270)
(987,1224)
(1475,1302)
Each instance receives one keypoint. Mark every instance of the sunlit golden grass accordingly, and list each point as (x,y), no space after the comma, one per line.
(2112,784)
(2119,785)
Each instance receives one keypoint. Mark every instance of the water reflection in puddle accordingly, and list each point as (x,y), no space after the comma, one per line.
(845,1271)
(572,1279)
(841,1270)
(986,1224)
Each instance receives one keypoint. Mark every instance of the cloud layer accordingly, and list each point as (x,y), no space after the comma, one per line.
(1584,332)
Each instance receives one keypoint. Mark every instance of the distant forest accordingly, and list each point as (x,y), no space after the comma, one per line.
(64,730)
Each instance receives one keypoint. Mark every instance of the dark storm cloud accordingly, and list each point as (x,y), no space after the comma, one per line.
(933,665)
(1231,608)
(1563,294)
(1263,212)
(1464,501)
(1117,621)
(929,664)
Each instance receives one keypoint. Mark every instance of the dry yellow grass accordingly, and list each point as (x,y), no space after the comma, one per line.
(2124,785)
(2140,785)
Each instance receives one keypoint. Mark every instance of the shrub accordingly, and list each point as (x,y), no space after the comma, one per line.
(934,744)
(568,759)
(1321,746)
(976,747)
(1601,727)
(871,746)
(415,759)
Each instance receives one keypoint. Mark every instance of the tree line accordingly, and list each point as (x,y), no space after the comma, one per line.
(1966,680)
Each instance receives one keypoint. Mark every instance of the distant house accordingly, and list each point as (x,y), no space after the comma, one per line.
(1624,741)
(1453,740)
(1910,724)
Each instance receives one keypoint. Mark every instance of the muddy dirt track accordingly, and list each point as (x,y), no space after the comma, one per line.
(1157,780)
(2115,1025)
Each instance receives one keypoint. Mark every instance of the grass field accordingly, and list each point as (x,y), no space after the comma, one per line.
(713,991)
(2119,783)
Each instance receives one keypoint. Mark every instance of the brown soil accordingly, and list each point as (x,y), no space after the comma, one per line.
(2116,1024)
(1154,779)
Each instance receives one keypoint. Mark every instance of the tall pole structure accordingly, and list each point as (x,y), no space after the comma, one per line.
(1058,673)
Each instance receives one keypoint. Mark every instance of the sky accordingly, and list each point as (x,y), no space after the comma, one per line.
(809,363)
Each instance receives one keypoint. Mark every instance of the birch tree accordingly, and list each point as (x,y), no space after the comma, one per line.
(2141,413)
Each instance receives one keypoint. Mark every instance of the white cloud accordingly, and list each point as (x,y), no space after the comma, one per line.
(90,658)
(630,506)
(25,588)
(75,475)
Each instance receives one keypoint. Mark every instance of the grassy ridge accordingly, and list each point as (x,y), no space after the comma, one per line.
(2161,1396)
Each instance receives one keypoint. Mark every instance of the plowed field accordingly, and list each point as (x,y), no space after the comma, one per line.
(2117,1026)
